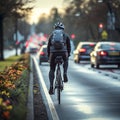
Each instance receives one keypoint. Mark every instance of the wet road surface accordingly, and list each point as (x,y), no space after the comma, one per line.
(88,95)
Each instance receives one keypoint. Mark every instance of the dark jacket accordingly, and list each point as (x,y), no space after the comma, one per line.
(68,45)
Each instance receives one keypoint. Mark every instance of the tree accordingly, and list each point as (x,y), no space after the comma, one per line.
(46,22)
(85,16)
(10,8)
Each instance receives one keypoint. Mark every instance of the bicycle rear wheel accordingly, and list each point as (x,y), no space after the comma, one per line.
(59,86)
(59,93)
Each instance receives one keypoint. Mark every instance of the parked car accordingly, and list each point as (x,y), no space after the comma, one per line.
(43,54)
(82,52)
(105,53)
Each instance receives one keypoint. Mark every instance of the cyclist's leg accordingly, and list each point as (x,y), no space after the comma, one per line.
(51,73)
(65,67)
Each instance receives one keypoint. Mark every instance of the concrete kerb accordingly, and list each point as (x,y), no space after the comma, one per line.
(51,106)
(30,106)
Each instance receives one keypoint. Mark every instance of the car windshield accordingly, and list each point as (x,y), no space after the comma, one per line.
(115,46)
(90,46)
(33,48)
(45,50)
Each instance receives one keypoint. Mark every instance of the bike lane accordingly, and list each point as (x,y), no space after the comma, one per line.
(78,102)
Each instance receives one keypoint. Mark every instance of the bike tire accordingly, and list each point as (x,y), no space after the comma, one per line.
(59,87)
(59,95)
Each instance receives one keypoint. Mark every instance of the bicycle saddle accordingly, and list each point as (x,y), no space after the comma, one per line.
(59,59)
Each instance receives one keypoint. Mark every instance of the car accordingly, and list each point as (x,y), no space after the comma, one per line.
(82,51)
(33,50)
(43,57)
(105,53)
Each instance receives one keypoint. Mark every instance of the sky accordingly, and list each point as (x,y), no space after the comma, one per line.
(48,3)
(44,6)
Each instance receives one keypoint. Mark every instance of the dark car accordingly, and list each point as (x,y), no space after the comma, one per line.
(83,50)
(43,54)
(105,53)
(33,50)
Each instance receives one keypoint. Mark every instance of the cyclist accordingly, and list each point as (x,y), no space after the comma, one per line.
(52,54)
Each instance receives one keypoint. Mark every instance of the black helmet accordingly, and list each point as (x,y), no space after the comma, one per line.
(59,25)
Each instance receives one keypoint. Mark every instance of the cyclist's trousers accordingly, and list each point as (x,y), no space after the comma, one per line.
(53,65)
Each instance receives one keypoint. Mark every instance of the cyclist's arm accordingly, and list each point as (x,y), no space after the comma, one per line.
(48,45)
(68,45)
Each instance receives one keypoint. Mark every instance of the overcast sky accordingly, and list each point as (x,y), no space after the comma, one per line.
(48,3)
(44,6)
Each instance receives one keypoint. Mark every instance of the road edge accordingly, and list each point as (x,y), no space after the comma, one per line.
(52,109)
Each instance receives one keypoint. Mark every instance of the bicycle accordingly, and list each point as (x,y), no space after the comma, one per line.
(58,80)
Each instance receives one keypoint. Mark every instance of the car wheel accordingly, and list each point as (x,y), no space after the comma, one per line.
(92,65)
(97,66)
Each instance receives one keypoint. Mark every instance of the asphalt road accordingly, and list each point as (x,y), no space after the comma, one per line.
(90,94)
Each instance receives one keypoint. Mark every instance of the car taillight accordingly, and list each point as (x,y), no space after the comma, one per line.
(42,53)
(82,50)
(102,53)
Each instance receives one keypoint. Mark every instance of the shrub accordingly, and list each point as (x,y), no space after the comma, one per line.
(13,89)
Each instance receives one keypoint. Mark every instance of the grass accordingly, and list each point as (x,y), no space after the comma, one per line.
(9,61)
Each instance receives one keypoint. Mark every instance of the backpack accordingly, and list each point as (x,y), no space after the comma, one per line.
(58,41)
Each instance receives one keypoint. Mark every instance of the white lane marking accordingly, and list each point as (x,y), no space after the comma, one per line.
(49,100)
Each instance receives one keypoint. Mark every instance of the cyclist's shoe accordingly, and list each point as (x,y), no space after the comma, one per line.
(51,91)
(65,78)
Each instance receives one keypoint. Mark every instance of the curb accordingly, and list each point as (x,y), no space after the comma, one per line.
(30,108)
(53,114)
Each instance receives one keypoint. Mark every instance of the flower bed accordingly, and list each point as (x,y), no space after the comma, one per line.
(13,90)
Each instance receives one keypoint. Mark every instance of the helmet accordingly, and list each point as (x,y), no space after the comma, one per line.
(59,25)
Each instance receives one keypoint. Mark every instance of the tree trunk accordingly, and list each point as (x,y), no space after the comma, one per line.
(16,28)
(1,38)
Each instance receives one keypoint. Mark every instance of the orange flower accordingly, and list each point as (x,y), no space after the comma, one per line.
(6,115)
(1,81)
